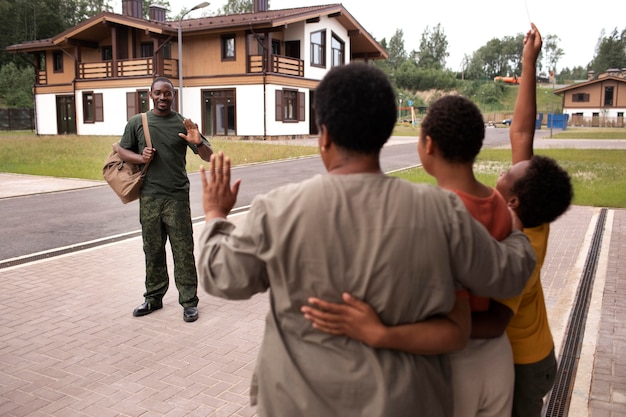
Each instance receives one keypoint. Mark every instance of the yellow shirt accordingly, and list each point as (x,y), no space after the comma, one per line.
(529,330)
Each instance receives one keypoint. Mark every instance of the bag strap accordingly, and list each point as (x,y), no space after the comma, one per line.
(146,133)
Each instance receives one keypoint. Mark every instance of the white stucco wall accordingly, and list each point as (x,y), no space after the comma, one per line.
(331,26)
(250,110)
(114,112)
(46,114)
(588,112)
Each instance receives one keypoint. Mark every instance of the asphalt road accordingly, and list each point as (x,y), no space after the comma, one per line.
(44,225)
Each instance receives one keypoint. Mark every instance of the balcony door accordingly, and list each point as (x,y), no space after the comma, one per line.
(219,118)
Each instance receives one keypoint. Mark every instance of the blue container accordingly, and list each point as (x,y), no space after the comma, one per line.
(558,121)
(538,121)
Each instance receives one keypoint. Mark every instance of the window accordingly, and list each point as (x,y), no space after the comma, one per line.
(580,97)
(57,61)
(290,101)
(107,53)
(338,51)
(137,102)
(318,48)
(143,101)
(92,107)
(608,96)
(228,47)
(289,106)
(147,50)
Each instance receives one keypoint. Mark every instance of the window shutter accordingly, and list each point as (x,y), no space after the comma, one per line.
(131,105)
(279,105)
(301,108)
(98,107)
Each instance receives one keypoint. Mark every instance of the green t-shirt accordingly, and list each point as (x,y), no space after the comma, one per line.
(166,176)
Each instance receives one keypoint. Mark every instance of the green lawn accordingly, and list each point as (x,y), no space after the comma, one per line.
(599,176)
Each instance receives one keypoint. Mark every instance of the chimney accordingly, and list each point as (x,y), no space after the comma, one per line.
(261,6)
(132,8)
(157,13)
(590,75)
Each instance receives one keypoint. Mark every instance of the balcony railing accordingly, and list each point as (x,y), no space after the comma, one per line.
(125,68)
(278,64)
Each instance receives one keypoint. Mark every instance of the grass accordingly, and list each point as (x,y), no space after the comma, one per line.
(72,156)
(591,133)
(598,175)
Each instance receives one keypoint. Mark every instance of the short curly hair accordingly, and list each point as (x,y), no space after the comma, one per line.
(456,126)
(545,192)
(357,105)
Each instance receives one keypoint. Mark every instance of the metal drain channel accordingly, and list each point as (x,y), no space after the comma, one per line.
(66,250)
(558,404)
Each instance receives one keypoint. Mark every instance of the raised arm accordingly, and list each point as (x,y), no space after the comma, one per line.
(194,137)
(522,130)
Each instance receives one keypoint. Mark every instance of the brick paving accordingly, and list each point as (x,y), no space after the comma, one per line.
(69,345)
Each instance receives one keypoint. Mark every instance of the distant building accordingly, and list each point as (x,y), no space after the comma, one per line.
(250,75)
(599,101)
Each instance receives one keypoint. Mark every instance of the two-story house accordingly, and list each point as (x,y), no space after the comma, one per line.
(250,75)
(599,101)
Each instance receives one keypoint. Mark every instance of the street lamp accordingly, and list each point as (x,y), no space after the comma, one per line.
(552,107)
(180,52)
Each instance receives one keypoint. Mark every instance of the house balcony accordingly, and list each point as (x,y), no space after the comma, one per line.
(125,68)
(278,64)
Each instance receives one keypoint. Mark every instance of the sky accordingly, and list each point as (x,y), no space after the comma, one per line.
(468,24)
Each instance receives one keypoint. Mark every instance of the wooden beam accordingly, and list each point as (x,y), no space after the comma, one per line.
(353,33)
(313,20)
(86,44)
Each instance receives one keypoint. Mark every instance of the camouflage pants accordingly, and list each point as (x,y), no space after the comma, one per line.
(162,219)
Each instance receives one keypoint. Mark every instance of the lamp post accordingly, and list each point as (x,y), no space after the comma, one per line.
(552,107)
(180,52)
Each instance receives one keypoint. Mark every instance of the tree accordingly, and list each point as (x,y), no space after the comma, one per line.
(397,53)
(16,85)
(433,50)
(497,57)
(610,52)
(237,7)
(84,9)
(552,53)
(569,76)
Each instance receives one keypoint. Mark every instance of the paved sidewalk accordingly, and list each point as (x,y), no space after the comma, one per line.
(69,345)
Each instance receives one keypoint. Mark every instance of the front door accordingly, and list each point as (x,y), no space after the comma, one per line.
(66,115)
(219,117)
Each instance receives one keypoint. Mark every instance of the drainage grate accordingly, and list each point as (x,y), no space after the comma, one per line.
(558,404)
(66,250)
